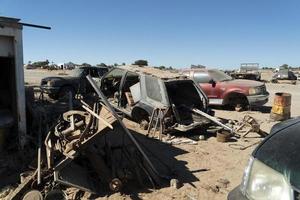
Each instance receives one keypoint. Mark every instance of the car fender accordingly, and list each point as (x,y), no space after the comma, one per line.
(67,85)
(141,106)
(227,93)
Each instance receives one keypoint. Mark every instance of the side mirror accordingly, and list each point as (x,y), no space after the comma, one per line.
(212,82)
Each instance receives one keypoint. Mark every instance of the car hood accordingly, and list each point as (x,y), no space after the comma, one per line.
(244,83)
(281,150)
(57,78)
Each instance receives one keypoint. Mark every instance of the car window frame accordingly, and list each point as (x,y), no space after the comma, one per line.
(101,71)
(152,102)
(205,73)
(110,71)
(85,72)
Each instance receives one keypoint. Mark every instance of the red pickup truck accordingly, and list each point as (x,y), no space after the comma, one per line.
(222,89)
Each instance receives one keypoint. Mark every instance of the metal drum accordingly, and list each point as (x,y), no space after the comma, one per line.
(281,109)
(223,136)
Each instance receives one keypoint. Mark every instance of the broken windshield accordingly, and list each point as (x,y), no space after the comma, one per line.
(219,76)
(76,72)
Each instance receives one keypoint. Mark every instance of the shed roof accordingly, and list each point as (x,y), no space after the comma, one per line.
(9,19)
(9,22)
(15,23)
(163,74)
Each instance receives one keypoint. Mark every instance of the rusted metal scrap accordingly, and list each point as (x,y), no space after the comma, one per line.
(16,194)
(89,149)
(156,122)
(213,119)
(253,126)
(153,171)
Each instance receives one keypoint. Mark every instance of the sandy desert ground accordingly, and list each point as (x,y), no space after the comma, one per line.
(201,166)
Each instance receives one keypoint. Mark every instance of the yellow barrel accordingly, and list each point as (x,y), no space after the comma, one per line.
(281,109)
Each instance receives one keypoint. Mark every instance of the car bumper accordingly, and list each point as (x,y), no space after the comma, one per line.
(258,100)
(50,89)
(236,194)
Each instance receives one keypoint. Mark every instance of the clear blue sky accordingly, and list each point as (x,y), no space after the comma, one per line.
(217,33)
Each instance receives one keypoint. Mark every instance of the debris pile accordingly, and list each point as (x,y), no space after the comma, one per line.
(90,150)
(253,126)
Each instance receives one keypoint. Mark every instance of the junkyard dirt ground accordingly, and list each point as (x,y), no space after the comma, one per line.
(208,161)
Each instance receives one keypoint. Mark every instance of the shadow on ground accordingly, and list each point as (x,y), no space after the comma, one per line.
(163,157)
(262,109)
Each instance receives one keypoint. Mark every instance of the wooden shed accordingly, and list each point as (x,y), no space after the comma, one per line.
(12,89)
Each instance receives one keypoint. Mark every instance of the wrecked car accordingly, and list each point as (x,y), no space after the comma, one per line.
(284,76)
(76,82)
(222,89)
(273,168)
(248,71)
(137,91)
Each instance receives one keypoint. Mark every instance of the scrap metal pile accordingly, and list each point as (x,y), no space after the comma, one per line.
(90,150)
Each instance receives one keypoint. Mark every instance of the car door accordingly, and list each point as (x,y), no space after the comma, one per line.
(88,86)
(110,82)
(202,78)
(291,76)
(96,74)
(83,82)
(208,85)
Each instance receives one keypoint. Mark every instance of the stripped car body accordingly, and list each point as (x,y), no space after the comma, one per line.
(248,71)
(137,91)
(284,76)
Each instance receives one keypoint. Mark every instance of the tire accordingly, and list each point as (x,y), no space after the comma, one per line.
(238,102)
(141,117)
(241,105)
(238,107)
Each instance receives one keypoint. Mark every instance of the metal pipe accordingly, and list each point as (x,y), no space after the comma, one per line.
(35,26)
(111,109)
(84,103)
(39,151)
(211,118)
(97,116)
(71,108)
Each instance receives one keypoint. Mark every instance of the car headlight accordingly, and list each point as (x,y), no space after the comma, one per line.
(52,83)
(49,83)
(260,182)
(257,90)
(253,91)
